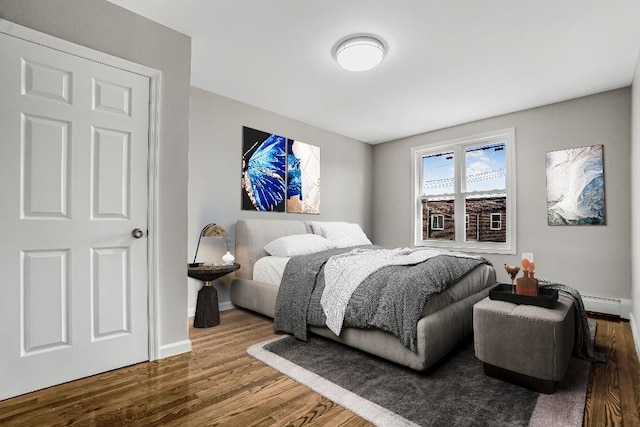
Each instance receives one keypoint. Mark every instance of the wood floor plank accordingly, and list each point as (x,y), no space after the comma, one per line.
(218,383)
(628,404)
(632,371)
(603,406)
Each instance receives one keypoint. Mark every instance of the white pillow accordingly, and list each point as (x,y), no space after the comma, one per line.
(298,244)
(344,234)
(321,227)
(315,227)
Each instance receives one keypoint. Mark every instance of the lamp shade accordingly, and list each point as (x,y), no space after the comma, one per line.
(360,53)
(210,230)
(213,230)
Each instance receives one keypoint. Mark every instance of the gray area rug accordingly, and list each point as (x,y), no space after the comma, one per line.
(455,392)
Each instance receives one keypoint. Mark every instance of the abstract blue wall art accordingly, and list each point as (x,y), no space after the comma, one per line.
(303,177)
(575,186)
(263,171)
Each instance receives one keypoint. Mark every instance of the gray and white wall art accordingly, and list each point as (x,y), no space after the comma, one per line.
(575,186)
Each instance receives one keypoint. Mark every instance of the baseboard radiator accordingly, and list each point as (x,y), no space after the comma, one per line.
(605,305)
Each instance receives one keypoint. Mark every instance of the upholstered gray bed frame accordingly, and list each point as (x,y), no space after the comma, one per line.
(438,333)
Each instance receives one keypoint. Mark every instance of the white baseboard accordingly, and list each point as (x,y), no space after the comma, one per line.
(191,311)
(613,306)
(174,348)
(226,306)
(636,333)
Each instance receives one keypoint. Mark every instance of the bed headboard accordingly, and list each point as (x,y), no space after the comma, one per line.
(253,234)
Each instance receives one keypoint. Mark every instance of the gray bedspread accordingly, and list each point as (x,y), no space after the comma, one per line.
(390,299)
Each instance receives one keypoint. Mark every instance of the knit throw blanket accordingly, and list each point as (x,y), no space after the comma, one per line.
(391,298)
(583,347)
(345,272)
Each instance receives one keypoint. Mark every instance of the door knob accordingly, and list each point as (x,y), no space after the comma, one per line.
(137,233)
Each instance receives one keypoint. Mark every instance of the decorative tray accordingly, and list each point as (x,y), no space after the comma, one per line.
(504,292)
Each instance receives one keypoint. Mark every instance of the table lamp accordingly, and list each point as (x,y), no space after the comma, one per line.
(215,230)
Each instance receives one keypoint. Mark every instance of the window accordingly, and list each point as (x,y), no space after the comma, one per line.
(496,221)
(437,222)
(464,193)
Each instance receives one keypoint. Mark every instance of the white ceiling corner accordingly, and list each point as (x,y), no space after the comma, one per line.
(448,62)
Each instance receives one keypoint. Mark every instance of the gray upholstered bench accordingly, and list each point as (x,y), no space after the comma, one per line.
(524,344)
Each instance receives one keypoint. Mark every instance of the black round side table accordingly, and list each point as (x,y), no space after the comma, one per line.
(207,312)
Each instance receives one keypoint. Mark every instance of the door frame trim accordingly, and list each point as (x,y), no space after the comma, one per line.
(155,89)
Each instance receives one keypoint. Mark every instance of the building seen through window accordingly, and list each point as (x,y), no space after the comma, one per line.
(464,193)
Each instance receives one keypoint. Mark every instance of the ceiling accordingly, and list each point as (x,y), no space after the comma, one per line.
(448,62)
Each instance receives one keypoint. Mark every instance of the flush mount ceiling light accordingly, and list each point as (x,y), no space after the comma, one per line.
(360,53)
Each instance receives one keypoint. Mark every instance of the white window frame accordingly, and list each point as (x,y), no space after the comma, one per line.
(458,146)
(441,220)
(499,221)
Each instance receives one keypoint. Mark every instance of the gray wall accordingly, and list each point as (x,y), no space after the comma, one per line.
(594,259)
(102,26)
(215,165)
(635,209)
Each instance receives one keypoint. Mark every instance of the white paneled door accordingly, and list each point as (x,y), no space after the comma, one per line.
(73,217)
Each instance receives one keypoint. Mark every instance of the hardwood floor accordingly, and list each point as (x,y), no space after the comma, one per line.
(219,384)
(613,395)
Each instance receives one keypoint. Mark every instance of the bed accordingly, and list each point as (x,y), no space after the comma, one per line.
(446,320)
